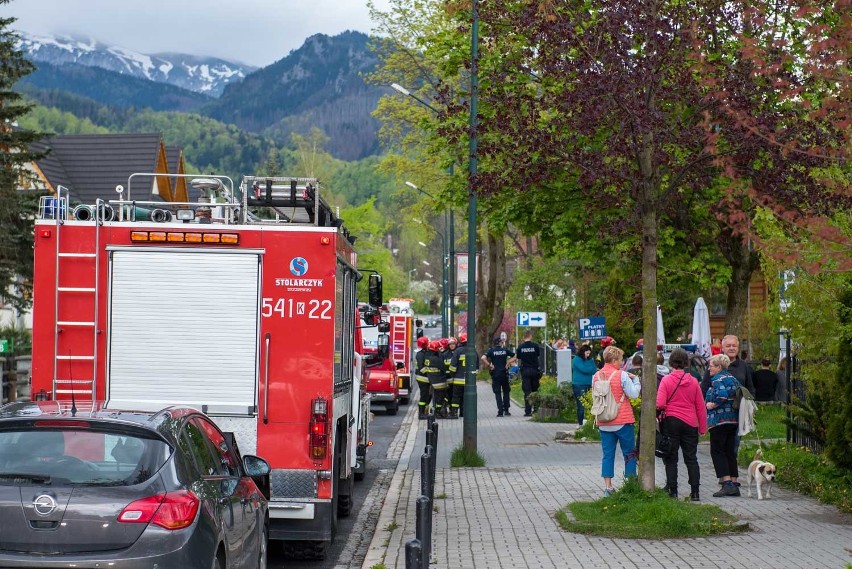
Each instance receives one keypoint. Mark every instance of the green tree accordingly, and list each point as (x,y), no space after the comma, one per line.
(17,208)
(839,435)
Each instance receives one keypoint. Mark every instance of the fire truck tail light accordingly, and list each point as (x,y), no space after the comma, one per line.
(325,240)
(193,238)
(157,236)
(44,233)
(319,429)
(138,235)
(230,238)
(175,237)
(211,238)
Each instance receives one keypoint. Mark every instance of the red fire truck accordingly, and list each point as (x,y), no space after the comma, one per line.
(239,303)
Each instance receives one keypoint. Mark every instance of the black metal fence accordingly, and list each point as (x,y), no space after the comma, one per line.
(798,430)
(418,551)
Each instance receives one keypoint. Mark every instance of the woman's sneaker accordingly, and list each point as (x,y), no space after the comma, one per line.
(608,492)
(727,489)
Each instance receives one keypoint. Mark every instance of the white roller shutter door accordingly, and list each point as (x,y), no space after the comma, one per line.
(183,329)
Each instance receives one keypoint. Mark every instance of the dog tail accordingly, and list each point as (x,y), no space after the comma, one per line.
(758,455)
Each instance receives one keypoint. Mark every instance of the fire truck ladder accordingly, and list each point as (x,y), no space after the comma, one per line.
(398,338)
(82,387)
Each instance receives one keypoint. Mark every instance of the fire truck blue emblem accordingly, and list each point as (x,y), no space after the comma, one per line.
(299,266)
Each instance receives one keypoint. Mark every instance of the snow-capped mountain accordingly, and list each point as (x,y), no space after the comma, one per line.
(207,75)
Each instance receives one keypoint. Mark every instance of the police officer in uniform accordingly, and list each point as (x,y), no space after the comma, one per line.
(497,359)
(436,372)
(422,380)
(528,355)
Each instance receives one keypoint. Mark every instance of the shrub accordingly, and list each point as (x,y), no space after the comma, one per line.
(839,428)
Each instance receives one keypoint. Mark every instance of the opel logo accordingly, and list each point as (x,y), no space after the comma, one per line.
(44,505)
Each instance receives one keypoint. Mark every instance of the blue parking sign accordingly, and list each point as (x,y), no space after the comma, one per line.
(592,328)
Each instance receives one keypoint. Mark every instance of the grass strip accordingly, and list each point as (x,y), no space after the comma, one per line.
(633,513)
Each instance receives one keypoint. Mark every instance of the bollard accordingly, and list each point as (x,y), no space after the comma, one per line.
(425,472)
(413,554)
(427,477)
(424,529)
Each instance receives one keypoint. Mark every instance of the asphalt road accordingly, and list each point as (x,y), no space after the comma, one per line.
(355,532)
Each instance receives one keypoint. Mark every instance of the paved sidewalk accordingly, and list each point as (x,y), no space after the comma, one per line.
(502,516)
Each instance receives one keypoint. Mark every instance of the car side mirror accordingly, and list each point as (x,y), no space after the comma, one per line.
(374,289)
(255,466)
(383,343)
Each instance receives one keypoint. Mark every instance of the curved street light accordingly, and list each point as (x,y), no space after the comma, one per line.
(446,305)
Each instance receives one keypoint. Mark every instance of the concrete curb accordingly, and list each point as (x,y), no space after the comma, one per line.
(378,549)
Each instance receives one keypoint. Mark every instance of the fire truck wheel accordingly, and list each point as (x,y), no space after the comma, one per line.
(344,503)
(392,409)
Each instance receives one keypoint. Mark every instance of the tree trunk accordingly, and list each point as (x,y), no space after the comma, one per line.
(648,416)
(743,263)
(493,284)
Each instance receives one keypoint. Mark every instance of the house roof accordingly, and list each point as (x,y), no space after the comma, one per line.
(92,165)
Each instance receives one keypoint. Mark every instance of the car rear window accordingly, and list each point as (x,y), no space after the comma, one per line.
(79,457)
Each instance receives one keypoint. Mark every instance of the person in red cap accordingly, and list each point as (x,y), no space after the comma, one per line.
(605,343)
(422,380)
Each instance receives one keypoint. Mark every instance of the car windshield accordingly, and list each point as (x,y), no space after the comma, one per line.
(78,457)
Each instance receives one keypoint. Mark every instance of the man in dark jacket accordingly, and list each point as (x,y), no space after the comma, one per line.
(528,354)
(497,359)
(458,367)
(738,368)
(765,381)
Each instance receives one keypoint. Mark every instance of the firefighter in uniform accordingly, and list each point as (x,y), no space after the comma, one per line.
(422,380)
(497,359)
(528,354)
(436,372)
(449,359)
(458,368)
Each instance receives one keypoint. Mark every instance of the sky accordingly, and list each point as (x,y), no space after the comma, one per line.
(257,32)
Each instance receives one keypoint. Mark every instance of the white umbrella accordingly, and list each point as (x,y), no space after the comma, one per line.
(661,334)
(701,328)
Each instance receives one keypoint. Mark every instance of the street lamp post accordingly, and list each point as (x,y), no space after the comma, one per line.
(469,436)
(446,310)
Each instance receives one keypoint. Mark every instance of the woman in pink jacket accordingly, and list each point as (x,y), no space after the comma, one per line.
(680,400)
(620,430)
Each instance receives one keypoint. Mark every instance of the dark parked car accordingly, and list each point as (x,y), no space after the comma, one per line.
(98,487)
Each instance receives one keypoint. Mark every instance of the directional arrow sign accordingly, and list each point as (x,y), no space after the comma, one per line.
(532,319)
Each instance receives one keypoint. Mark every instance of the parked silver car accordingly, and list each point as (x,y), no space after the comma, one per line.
(97,487)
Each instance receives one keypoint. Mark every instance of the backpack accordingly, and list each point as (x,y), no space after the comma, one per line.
(604,406)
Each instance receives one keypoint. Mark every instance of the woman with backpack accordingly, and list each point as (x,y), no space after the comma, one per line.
(722,420)
(684,419)
(623,386)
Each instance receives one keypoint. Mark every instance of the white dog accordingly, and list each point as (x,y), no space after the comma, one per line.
(763,474)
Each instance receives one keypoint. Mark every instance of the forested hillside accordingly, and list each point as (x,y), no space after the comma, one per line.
(318,85)
(213,147)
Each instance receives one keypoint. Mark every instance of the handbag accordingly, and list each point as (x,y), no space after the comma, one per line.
(663,442)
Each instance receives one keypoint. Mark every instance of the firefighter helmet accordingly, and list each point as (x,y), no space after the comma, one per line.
(463,338)
(452,340)
(606,342)
(639,343)
(422,342)
(435,346)
(444,343)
